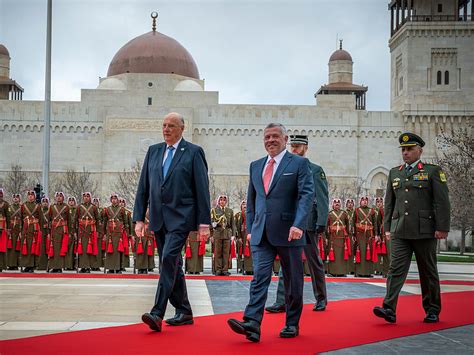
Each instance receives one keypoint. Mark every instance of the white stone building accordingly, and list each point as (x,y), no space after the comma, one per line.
(113,125)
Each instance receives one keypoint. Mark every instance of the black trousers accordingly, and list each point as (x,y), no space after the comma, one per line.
(171,285)
(316,269)
(263,256)
(425,253)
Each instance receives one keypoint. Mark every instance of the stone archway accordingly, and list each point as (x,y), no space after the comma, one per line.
(376,181)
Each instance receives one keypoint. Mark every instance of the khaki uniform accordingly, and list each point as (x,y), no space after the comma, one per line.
(351,232)
(338,242)
(58,243)
(14,239)
(222,225)
(127,240)
(144,250)
(70,256)
(385,245)
(115,225)
(194,254)
(416,205)
(4,227)
(42,261)
(87,239)
(243,245)
(31,234)
(365,229)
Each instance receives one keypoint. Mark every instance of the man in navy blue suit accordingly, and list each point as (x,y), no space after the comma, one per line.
(175,186)
(279,198)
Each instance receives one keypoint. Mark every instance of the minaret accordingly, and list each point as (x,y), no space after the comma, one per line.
(341,92)
(9,89)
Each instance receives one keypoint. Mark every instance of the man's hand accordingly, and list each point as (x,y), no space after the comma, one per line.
(204,233)
(387,235)
(441,235)
(295,233)
(140,229)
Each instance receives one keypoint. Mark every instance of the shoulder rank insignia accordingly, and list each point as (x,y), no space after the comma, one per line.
(442,176)
(323,175)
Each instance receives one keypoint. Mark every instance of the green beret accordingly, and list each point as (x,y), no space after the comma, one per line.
(410,140)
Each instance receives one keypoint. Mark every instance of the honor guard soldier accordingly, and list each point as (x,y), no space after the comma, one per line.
(417,214)
(100,237)
(194,254)
(128,236)
(384,245)
(69,259)
(115,225)
(14,239)
(243,243)
(31,233)
(350,210)
(365,229)
(87,246)
(222,219)
(338,240)
(144,249)
(58,243)
(42,261)
(4,227)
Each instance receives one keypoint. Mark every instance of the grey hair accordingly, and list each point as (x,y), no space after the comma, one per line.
(178,116)
(279,125)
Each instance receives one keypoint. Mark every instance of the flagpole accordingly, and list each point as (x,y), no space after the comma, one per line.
(47,103)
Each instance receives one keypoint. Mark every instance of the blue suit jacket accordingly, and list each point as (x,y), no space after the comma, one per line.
(287,203)
(179,202)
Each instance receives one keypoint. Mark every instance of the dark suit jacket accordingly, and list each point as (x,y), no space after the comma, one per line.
(287,203)
(180,202)
(318,216)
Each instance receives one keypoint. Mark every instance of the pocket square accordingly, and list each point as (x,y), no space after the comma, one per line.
(286,174)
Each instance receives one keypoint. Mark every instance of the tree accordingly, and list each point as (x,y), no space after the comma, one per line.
(75,183)
(16,180)
(127,182)
(455,156)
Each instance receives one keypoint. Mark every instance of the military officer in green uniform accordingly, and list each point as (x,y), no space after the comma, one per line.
(58,242)
(4,227)
(417,213)
(242,242)
(222,219)
(31,235)
(86,247)
(115,225)
(365,232)
(14,239)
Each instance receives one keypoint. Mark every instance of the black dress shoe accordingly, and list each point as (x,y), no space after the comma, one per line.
(431,318)
(276,308)
(386,314)
(251,329)
(180,319)
(290,331)
(154,322)
(320,306)
(226,273)
(110,271)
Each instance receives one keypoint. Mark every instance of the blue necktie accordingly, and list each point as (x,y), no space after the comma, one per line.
(167,163)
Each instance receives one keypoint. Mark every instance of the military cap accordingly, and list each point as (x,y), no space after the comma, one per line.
(409,139)
(299,139)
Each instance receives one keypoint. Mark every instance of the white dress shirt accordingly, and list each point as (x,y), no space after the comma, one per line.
(173,152)
(277,159)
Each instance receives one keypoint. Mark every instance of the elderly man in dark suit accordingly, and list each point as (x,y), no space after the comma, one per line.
(279,198)
(175,186)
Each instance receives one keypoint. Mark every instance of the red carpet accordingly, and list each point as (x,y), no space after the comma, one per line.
(212,277)
(344,324)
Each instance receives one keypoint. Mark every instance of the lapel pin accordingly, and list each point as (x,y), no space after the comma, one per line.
(182,149)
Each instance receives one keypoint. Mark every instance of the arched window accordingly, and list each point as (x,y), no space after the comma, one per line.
(446,77)
(438,77)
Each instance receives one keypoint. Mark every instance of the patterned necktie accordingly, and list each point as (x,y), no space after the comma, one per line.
(167,163)
(267,175)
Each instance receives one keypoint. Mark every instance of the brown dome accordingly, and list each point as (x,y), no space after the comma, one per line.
(153,52)
(340,54)
(4,50)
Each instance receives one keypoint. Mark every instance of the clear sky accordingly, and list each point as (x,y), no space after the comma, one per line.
(252,52)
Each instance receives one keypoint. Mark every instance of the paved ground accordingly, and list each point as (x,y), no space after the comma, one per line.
(35,306)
